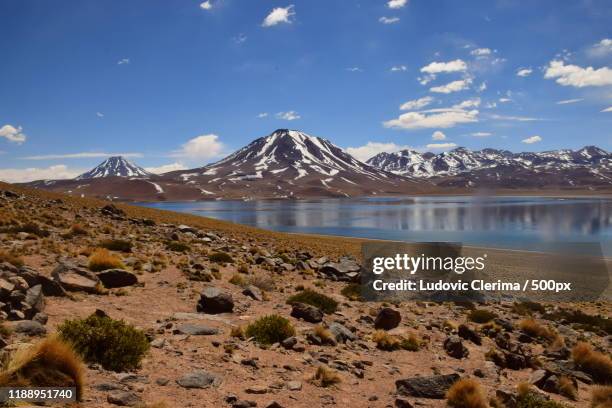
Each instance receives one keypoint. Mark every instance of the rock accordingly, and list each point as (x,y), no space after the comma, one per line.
(467,333)
(28,327)
(454,347)
(110,209)
(274,404)
(306,312)
(289,342)
(162,381)
(117,278)
(244,404)
(186,229)
(515,361)
(35,298)
(341,333)
(403,403)
(387,319)
(257,389)
(74,278)
(253,292)
(6,288)
(433,387)
(41,318)
(196,330)
(294,385)
(213,301)
(345,270)
(124,398)
(199,379)
(33,278)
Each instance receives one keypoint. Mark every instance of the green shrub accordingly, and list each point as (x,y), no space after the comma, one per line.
(117,245)
(221,257)
(177,246)
(30,228)
(352,291)
(270,329)
(481,316)
(316,299)
(114,344)
(582,320)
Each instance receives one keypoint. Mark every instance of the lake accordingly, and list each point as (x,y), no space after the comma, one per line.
(528,223)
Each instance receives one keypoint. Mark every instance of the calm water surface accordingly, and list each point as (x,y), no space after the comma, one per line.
(500,222)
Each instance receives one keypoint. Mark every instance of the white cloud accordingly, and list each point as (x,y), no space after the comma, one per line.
(441,146)
(601,49)
(437,135)
(468,103)
(240,38)
(371,149)
(204,147)
(354,69)
(279,15)
(505,100)
(524,72)
(99,114)
(389,20)
(417,103)
(482,87)
(576,76)
(425,79)
(481,134)
(514,118)
(13,134)
(83,155)
(56,172)
(289,115)
(123,61)
(607,109)
(440,67)
(567,101)
(166,168)
(532,139)
(480,52)
(396,4)
(262,115)
(454,86)
(433,118)
(207,5)
(399,68)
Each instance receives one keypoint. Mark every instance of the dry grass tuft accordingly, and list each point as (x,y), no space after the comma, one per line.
(597,364)
(466,393)
(601,397)
(567,388)
(102,259)
(50,363)
(326,377)
(324,334)
(6,256)
(389,342)
(535,329)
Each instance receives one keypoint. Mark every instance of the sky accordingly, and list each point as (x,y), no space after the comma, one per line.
(178,84)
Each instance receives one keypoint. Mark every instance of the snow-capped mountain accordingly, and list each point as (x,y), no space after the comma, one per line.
(115,166)
(463,167)
(291,164)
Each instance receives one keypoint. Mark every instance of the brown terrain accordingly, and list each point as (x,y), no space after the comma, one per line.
(195,285)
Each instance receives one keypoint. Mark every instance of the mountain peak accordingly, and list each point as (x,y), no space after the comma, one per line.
(115,166)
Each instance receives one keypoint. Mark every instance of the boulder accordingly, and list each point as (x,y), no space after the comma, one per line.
(346,270)
(306,312)
(341,333)
(467,333)
(199,379)
(196,330)
(213,301)
(49,286)
(387,319)
(434,387)
(117,278)
(253,292)
(74,278)
(29,327)
(454,347)
(35,298)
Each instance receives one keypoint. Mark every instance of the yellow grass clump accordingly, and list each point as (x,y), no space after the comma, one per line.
(50,363)
(597,364)
(601,397)
(102,259)
(466,393)
(326,377)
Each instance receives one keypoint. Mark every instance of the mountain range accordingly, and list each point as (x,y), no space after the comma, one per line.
(289,164)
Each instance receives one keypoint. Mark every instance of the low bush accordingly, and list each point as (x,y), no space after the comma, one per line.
(114,344)
(534,329)
(102,259)
(50,363)
(326,377)
(527,398)
(177,246)
(117,245)
(567,388)
(389,342)
(466,393)
(270,329)
(601,397)
(220,257)
(528,308)
(582,320)
(316,299)
(10,257)
(352,291)
(481,316)
(597,364)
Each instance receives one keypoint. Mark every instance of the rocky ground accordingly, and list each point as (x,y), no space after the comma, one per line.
(190,284)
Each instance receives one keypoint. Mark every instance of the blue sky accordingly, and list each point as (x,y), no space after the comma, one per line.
(181,83)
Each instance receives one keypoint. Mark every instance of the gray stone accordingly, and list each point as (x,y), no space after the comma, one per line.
(434,387)
(454,347)
(117,278)
(35,298)
(306,312)
(124,398)
(28,327)
(213,301)
(196,330)
(74,278)
(253,292)
(199,379)
(341,333)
